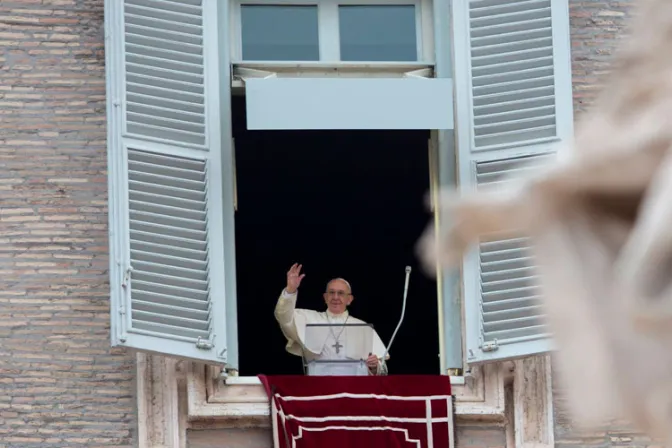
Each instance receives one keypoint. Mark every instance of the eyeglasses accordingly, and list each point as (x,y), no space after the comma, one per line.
(331,292)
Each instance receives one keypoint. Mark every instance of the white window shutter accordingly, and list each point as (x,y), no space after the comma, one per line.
(166,205)
(514,110)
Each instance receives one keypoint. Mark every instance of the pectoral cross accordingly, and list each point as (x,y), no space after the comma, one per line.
(337,346)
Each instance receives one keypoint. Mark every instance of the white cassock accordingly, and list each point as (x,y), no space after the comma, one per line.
(336,343)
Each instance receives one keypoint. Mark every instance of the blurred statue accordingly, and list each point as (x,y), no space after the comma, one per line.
(600,219)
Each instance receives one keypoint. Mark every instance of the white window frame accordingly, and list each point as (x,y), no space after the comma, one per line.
(328,29)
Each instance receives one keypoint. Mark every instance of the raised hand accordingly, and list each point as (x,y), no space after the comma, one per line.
(294,278)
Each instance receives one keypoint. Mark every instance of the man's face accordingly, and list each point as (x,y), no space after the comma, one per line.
(338,296)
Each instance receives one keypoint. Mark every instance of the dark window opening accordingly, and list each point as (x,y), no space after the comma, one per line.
(344,204)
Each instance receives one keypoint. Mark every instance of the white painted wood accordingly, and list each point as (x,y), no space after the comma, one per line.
(167,162)
(285,103)
(513,107)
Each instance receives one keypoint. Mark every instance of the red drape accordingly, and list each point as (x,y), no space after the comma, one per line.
(343,411)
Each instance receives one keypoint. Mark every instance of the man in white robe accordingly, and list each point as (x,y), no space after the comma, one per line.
(293,323)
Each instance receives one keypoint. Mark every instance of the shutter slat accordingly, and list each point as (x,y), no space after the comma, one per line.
(144,55)
(502,48)
(159,122)
(510,304)
(162,73)
(500,256)
(162,133)
(152,166)
(513,67)
(197,265)
(505,263)
(167,103)
(166,85)
(508,294)
(160,209)
(174,321)
(164,230)
(153,328)
(513,335)
(168,279)
(180,189)
(518,334)
(165,69)
(184,6)
(506,28)
(523,16)
(499,277)
(172,90)
(137,27)
(512,56)
(168,240)
(530,135)
(168,158)
(199,277)
(151,297)
(543,121)
(163,112)
(148,287)
(167,310)
(199,226)
(163,43)
(509,282)
(138,16)
(170,250)
(502,87)
(512,61)
(516,114)
(493,7)
(515,37)
(176,14)
(513,94)
(519,75)
(519,312)
(513,324)
(143,237)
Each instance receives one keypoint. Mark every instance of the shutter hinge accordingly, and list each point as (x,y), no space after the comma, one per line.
(203,344)
(490,346)
(127,277)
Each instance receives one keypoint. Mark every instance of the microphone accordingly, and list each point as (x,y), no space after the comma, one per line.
(401,319)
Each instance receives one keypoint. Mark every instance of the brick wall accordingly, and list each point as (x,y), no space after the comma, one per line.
(61,384)
(597,27)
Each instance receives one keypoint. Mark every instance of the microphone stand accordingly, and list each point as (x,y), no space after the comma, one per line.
(401,319)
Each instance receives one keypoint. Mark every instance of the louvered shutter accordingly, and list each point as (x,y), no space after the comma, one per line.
(166,190)
(514,109)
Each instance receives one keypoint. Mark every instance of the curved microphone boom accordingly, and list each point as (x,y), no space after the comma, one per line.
(401,319)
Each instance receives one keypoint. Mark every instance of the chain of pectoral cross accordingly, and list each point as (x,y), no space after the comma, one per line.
(337,346)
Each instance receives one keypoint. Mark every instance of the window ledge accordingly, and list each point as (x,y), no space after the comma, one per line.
(478,396)
(243,70)
(252,380)
(335,65)
(174,396)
